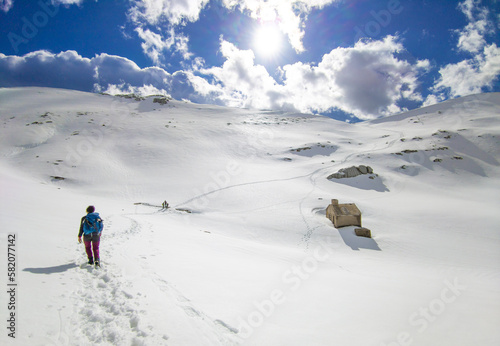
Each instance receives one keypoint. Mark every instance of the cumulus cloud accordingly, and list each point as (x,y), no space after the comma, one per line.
(478,72)
(154,13)
(174,11)
(372,79)
(472,75)
(243,84)
(366,80)
(6,5)
(154,45)
(42,68)
(472,36)
(102,73)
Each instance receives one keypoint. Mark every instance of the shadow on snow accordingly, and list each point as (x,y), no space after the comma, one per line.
(51,270)
(355,242)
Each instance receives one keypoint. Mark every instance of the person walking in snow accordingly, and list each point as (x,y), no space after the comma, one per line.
(91,227)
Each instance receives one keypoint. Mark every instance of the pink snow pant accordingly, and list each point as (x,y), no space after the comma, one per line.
(92,244)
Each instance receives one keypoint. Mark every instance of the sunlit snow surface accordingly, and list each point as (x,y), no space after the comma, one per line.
(245,254)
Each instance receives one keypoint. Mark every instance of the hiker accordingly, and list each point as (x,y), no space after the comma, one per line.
(91,227)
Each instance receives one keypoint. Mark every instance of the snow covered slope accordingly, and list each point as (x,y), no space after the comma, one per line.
(245,254)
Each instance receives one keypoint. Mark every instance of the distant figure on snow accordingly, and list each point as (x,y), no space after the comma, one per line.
(164,205)
(91,227)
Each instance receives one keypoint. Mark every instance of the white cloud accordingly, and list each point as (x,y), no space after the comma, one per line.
(42,68)
(468,7)
(155,46)
(102,73)
(6,5)
(146,13)
(366,80)
(472,38)
(181,45)
(68,2)
(433,99)
(471,75)
(175,11)
(124,88)
(68,70)
(244,84)
(289,14)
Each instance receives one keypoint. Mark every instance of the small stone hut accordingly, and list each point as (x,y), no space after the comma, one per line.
(343,214)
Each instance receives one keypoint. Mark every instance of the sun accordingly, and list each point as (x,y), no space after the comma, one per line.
(268,40)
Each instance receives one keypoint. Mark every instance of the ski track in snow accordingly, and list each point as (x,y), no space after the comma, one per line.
(108,313)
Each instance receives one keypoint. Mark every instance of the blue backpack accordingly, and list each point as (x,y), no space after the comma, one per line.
(92,223)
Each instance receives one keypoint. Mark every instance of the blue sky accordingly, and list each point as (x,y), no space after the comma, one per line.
(349,59)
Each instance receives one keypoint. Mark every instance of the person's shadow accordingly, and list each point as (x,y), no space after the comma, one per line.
(51,270)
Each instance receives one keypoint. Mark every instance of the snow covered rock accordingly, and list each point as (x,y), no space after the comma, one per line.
(351,172)
(363,232)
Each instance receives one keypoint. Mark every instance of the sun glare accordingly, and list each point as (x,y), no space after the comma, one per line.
(267,40)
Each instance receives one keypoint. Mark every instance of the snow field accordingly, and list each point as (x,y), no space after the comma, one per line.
(245,254)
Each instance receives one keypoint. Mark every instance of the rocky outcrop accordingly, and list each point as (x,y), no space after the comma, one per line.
(363,232)
(351,172)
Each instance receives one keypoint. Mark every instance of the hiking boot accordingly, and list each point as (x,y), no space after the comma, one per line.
(97,264)
(91,261)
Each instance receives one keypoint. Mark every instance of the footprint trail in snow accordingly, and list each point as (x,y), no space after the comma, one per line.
(110,307)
